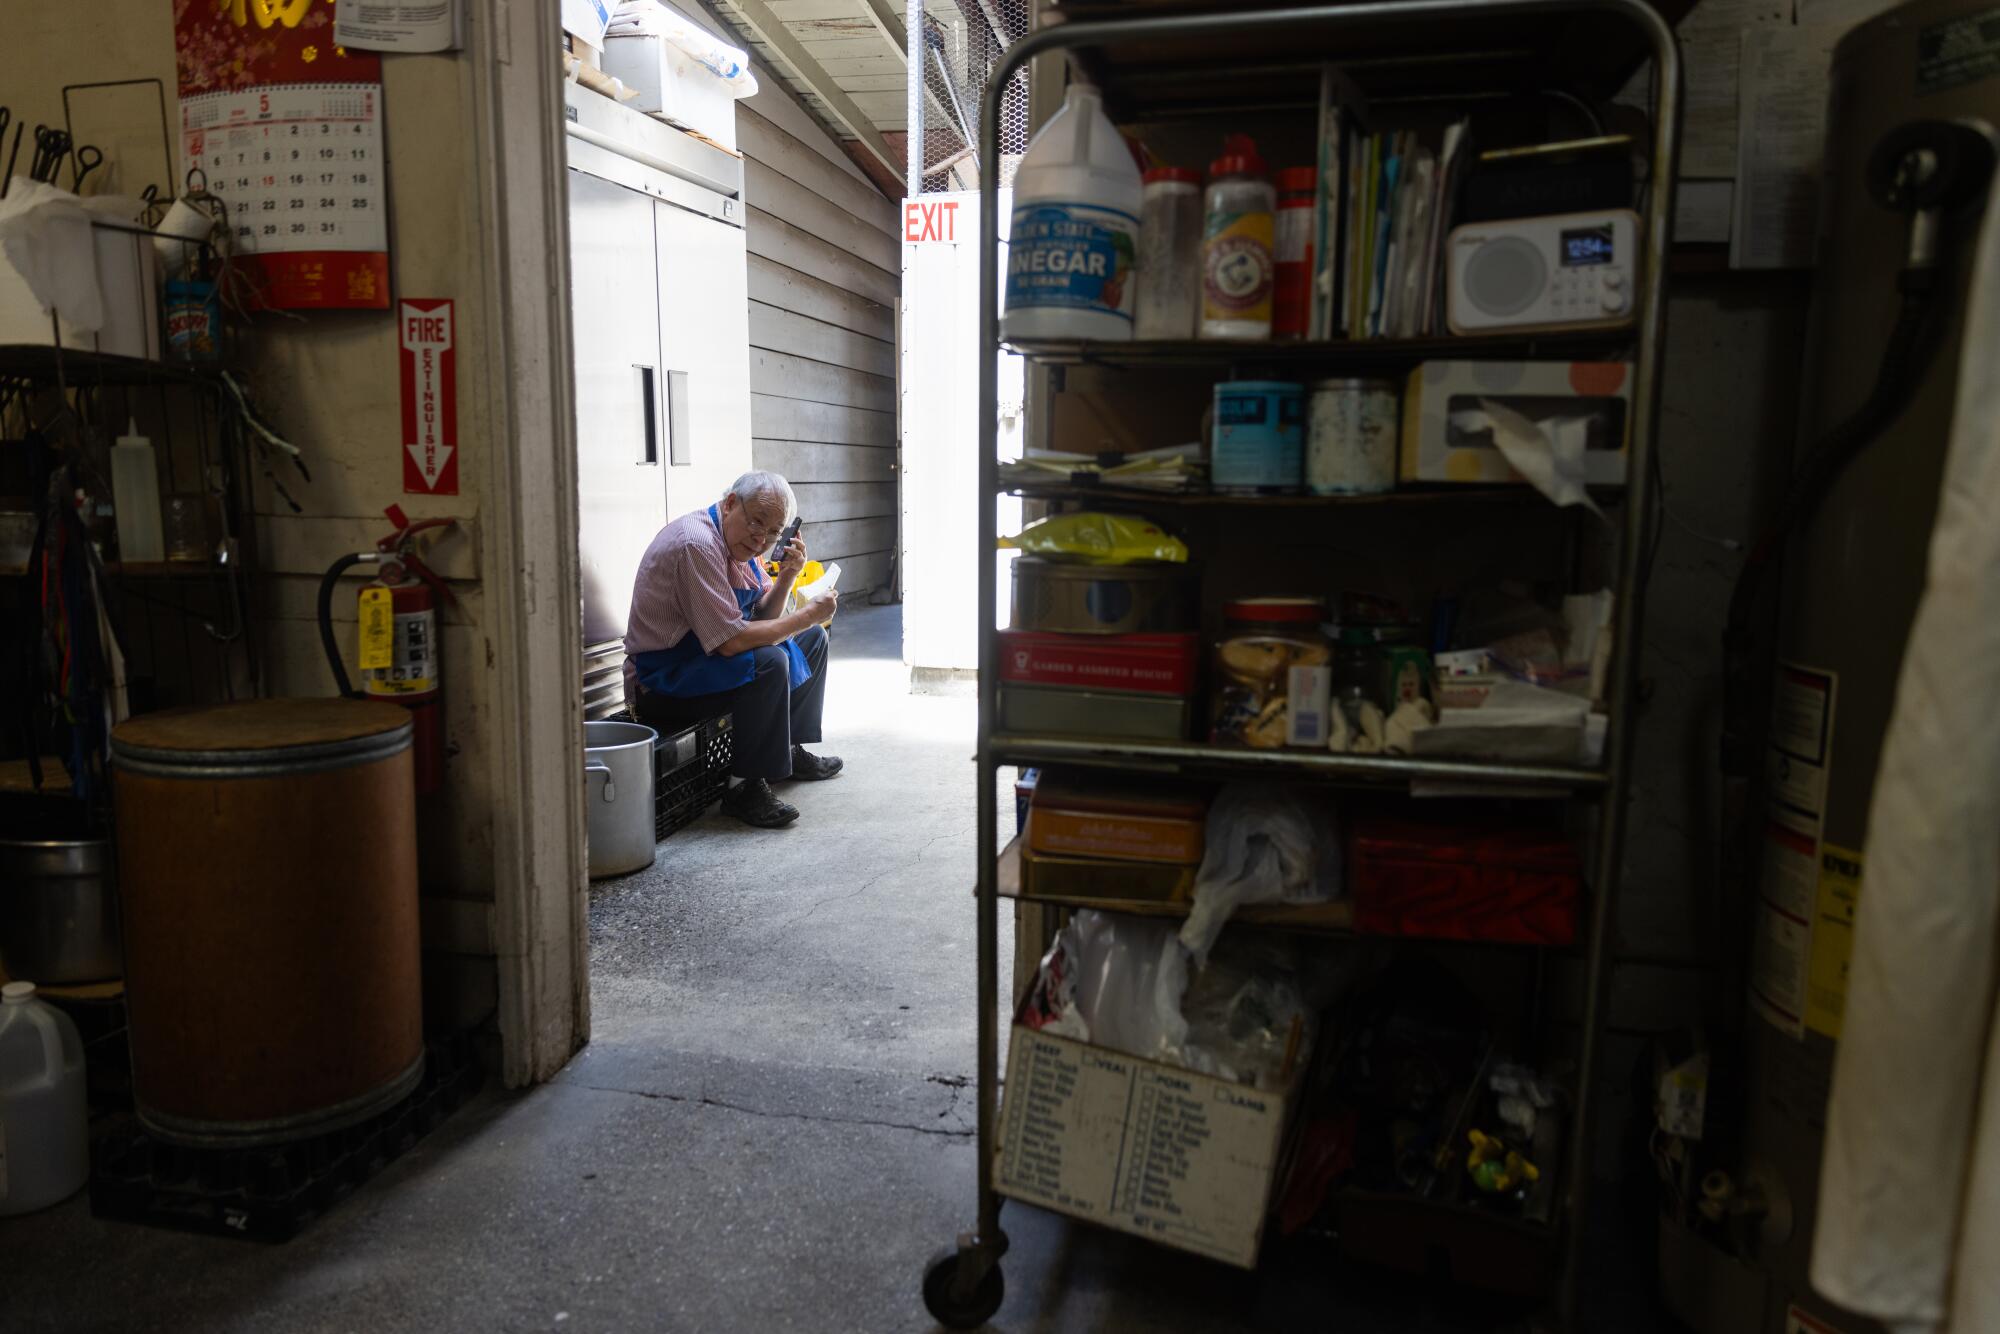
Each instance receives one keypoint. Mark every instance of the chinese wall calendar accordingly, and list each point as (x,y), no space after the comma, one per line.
(300,168)
(284,125)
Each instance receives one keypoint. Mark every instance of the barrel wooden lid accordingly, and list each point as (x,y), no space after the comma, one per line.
(260,725)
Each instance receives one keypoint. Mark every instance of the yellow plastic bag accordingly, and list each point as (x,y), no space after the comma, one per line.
(1091,538)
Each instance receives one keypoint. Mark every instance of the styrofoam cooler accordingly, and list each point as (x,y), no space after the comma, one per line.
(673,85)
(127,278)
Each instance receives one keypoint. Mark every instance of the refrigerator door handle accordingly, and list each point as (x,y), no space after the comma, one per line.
(680,423)
(649,407)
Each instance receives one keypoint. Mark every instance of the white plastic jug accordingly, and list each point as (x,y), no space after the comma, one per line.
(1072,246)
(44,1118)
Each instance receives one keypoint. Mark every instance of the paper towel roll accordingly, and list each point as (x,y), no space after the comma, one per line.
(179,236)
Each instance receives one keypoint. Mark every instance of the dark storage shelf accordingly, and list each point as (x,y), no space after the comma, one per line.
(151,569)
(1324,357)
(43,364)
(1335,918)
(1462,52)
(1391,771)
(1501,494)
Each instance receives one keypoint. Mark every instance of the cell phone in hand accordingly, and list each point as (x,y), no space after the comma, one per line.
(785,538)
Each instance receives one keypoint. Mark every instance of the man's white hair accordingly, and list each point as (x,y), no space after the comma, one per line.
(761,485)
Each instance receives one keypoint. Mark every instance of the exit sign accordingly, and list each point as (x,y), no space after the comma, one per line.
(935,221)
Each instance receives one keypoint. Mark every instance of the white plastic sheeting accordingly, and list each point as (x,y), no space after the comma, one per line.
(1909,1219)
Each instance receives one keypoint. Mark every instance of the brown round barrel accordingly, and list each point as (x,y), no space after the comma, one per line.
(267,863)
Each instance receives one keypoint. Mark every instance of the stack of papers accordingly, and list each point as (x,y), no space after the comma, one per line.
(1173,468)
(1385,205)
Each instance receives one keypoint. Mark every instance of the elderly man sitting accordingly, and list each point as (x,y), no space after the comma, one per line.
(709,635)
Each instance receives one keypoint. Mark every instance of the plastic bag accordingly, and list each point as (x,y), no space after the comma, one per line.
(1125,983)
(1091,538)
(1236,1018)
(1118,981)
(1265,845)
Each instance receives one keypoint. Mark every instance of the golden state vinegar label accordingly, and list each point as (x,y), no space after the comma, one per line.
(1071,256)
(1237,267)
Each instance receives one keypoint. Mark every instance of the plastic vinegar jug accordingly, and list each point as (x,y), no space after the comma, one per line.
(1072,245)
(44,1118)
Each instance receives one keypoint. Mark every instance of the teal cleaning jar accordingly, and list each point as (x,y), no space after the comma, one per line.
(1258,448)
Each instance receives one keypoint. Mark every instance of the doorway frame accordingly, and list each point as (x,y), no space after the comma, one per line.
(529,562)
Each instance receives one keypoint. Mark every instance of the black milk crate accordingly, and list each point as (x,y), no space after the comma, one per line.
(270,1192)
(691,772)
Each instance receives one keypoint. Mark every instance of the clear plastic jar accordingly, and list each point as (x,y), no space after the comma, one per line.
(1238,264)
(1270,687)
(1169,291)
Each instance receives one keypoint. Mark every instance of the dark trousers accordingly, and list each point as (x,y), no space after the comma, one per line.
(770,716)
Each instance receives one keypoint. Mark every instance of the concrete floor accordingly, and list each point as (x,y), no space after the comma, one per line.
(770,1130)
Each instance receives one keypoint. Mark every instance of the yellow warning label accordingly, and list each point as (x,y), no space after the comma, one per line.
(378,628)
(1832,937)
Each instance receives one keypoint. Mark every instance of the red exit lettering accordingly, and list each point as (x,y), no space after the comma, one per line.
(931,222)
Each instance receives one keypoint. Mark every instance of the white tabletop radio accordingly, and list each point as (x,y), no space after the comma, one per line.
(1568,271)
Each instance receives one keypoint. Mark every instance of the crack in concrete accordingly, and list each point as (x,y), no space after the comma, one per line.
(836,898)
(952,834)
(706,1101)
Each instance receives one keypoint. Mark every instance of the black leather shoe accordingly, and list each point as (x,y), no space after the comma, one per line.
(753,802)
(810,768)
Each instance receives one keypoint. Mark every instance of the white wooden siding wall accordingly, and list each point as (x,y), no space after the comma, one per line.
(849,46)
(824,263)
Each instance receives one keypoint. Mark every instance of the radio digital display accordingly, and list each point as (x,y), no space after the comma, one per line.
(1587,245)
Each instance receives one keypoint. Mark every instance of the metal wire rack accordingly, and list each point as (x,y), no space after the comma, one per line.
(963,41)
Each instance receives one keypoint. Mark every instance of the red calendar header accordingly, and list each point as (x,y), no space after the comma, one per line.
(234,44)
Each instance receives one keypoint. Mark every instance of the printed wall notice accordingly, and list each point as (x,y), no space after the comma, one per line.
(1781,950)
(1789,884)
(429,362)
(401,25)
(1781,128)
(1832,937)
(1801,734)
(1959,50)
(285,127)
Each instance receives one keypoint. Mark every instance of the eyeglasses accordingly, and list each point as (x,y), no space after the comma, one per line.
(762,532)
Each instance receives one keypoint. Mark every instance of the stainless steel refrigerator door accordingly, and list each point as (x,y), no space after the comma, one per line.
(704,354)
(620,409)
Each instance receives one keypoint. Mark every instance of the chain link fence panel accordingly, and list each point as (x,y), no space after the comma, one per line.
(962,42)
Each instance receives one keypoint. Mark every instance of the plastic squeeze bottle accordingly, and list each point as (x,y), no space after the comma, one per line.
(1237,263)
(135,496)
(1072,244)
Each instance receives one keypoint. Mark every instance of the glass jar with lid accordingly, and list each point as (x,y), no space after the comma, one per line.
(1271,679)
(1357,671)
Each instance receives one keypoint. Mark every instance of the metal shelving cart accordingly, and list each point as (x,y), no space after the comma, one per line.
(1177,60)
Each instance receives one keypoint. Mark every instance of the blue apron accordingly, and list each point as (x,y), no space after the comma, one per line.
(685,669)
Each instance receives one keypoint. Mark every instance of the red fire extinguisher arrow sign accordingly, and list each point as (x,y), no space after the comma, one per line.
(430,398)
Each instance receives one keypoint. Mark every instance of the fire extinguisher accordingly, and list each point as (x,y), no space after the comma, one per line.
(397,612)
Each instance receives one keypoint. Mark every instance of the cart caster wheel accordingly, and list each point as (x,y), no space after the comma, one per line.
(949,1311)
